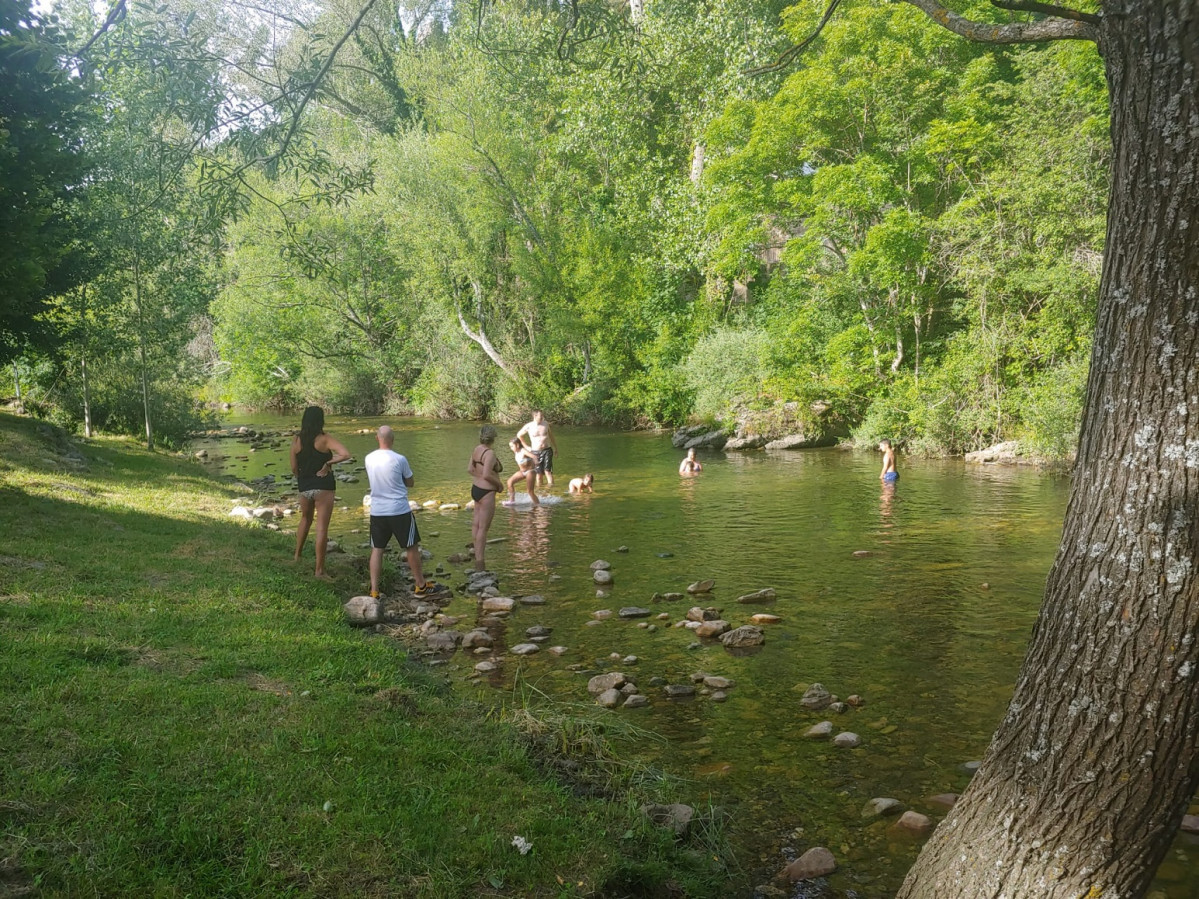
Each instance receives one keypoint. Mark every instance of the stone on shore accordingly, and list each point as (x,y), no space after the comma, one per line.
(525,649)
(676,817)
(847,740)
(634,612)
(362,610)
(610,699)
(821,731)
(600,565)
(602,576)
(498,604)
(701,587)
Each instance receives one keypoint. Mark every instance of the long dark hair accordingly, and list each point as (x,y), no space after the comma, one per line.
(312,424)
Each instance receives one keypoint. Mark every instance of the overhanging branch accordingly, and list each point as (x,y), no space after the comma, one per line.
(790,53)
(1075,26)
(1047,9)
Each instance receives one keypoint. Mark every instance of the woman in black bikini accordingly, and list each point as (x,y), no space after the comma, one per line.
(313,455)
(484,471)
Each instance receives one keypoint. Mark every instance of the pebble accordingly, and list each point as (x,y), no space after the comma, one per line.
(525,649)
(847,740)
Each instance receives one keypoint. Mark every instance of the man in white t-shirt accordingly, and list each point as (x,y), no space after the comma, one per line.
(391,513)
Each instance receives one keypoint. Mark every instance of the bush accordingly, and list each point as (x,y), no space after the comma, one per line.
(1051,409)
(727,368)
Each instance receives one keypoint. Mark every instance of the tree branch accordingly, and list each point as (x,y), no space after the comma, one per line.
(1052,29)
(307,98)
(1047,9)
(114,15)
(480,337)
(788,55)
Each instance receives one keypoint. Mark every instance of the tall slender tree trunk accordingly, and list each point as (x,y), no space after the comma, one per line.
(1092,768)
(16,379)
(87,396)
(141,346)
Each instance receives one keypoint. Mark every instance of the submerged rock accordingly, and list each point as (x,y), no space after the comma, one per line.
(881,808)
(764,595)
(613,680)
(816,697)
(746,635)
(701,586)
(816,862)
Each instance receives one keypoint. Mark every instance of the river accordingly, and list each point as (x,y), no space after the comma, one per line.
(918,598)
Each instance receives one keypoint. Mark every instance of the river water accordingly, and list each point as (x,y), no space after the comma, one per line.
(919,598)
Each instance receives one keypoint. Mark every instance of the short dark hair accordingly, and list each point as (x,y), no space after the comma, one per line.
(885,442)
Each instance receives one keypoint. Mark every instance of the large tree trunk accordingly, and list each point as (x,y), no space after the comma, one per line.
(1092,768)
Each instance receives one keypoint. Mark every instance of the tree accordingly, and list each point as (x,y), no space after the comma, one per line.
(42,164)
(1090,771)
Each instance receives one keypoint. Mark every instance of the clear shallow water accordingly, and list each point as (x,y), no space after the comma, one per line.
(929,628)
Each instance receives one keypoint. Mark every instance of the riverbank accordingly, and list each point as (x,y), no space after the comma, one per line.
(184,712)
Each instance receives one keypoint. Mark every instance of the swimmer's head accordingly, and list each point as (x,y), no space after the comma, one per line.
(884,444)
(487,434)
(691,453)
(588,479)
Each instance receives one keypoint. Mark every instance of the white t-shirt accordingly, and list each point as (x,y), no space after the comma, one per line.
(386,470)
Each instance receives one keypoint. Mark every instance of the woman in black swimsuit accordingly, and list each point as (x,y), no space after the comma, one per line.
(484,471)
(313,455)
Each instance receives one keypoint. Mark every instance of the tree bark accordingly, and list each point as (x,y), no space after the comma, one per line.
(16,378)
(1089,774)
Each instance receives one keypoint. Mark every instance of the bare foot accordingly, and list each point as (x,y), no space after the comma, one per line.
(321,576)
(508,502)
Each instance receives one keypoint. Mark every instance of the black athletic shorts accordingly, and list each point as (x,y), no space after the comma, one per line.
(402,527)
(545,460)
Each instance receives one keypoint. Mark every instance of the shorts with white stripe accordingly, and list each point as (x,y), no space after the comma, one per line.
(402,527)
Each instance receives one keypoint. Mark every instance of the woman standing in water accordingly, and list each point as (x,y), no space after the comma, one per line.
(313,455)
(484,471)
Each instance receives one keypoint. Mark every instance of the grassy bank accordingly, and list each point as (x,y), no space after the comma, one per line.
(182,712)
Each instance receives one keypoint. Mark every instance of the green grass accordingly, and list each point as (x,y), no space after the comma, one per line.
(178,704)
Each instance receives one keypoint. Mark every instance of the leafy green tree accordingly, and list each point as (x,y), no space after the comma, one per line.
(44,107)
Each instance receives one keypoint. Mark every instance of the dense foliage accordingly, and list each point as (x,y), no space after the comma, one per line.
(472,209)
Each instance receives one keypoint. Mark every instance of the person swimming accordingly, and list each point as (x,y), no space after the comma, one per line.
(690,465)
